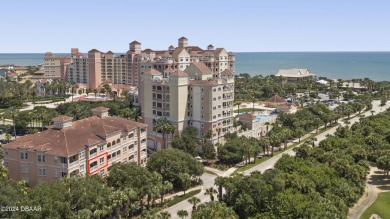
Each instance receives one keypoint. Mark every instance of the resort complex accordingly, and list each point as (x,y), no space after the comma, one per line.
(154,133)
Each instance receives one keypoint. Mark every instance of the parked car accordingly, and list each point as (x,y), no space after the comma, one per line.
(3,141)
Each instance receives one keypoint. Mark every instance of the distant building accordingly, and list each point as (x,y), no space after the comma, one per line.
(54,67)
(18,70)
(353,85)
(293,75)
(279,103)
(88,146)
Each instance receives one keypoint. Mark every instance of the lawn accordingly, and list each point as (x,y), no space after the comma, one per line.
(379,207)
(244,110)
(180,198)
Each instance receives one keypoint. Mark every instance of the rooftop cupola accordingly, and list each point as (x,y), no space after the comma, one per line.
(100,112)
(62,122)
(183,42)
(210,47)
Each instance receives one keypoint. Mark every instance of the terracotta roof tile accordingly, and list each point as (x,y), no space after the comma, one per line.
(62,118)
(152,72)
(93,50)
(69,141)
(276,99)
(179,73)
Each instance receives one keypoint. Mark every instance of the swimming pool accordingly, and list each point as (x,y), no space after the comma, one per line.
(263,118)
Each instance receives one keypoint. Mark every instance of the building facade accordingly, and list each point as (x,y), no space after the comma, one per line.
(55,67)
(86,147)
(196,97)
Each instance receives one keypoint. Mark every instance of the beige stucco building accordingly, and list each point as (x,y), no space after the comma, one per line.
(196,97)
(88,146)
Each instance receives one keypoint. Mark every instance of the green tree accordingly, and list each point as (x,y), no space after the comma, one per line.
(211,192)
(182,213)
(214,210)
(194,201)
(383,163)
(170,162)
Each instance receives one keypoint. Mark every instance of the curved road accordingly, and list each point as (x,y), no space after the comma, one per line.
(367,199)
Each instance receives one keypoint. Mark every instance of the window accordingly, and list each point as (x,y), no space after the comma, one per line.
(55,173)
(131,147)
(214,108)
(101,160)
(202,125)
(124,138)
(82,154)
(214,99)
(82,168)
(101,172)
(101,147)
(219,106)
(124,149)
(55,159)
(23,155)
(24,169)
(214,117)
(41,172)
(41,158)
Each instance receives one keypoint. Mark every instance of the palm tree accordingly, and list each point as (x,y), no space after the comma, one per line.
(299,132)
(164,215)
(164,187)
(211,191)
(287,133)
(218,132)
(194,201)
(182,213)
(275,141)
(219,181)
(164,127)
(238,104)
(12,112)
(267,124)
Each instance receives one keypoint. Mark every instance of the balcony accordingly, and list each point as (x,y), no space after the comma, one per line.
(92,155)
(74,164)
(93,168)
(160,91)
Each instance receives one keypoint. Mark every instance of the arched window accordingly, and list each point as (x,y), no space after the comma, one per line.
(109,144)
(118,141)
(113,143)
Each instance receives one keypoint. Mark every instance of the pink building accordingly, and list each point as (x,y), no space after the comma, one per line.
(86,147)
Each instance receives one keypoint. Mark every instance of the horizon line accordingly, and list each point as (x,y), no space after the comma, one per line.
(233,52)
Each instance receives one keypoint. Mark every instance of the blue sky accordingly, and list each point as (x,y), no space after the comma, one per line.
(239,26)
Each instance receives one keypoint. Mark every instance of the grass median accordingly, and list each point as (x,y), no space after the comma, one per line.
(180,198)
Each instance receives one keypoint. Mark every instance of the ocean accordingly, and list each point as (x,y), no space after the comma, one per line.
(343,65)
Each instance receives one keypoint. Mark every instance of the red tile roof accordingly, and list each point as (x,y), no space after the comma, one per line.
(179,73)
(69,141)
(201,67)
(227,72)
(152,72)
(62,118)
(93,50)
(276,99)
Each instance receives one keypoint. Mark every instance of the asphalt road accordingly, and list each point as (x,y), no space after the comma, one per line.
(208,179)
